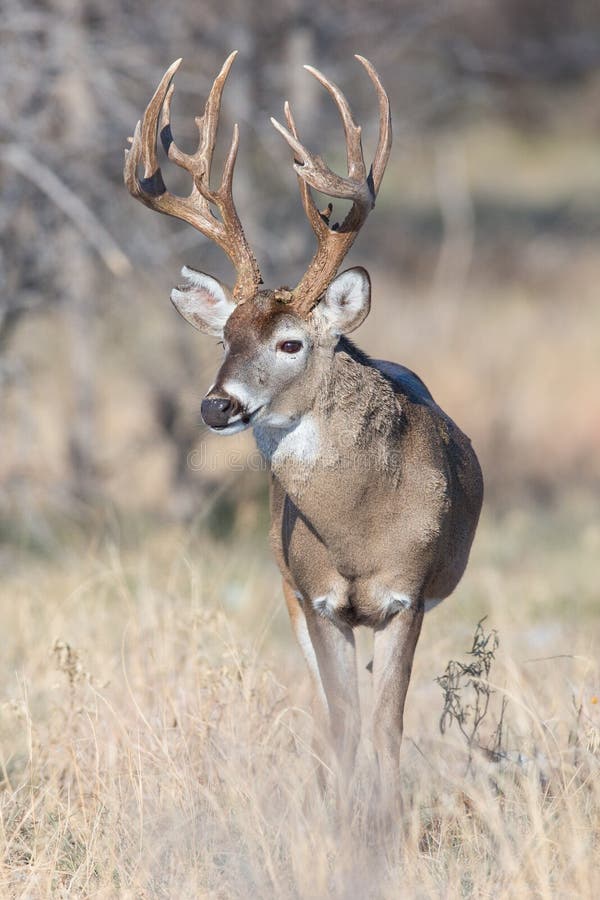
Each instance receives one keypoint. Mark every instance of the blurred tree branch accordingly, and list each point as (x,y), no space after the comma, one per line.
(88,224)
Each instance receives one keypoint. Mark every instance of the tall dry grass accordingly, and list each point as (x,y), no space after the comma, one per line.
(155,730)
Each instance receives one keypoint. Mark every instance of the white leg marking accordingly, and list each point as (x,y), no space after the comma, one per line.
(393,601)
(327,605)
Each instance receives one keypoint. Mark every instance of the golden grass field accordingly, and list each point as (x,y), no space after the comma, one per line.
(155,728)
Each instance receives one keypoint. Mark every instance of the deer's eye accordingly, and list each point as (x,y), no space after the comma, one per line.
(289,346)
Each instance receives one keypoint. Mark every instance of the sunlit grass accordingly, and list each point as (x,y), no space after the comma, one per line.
(155,730)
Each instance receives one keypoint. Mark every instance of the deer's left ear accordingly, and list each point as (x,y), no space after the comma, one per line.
(347,301)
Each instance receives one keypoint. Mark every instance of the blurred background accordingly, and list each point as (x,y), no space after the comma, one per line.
(149,685)
(482,248)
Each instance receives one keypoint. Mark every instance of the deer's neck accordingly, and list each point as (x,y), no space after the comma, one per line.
(347,428)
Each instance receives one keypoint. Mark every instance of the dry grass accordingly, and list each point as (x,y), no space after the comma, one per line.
(155,739)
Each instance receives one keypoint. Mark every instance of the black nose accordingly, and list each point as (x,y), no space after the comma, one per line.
(216,411)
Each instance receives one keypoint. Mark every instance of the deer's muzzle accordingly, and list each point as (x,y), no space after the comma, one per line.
(217,410)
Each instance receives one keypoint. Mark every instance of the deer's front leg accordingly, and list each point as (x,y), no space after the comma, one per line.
(300,628)
(393,653)
(329,649)
(336,656)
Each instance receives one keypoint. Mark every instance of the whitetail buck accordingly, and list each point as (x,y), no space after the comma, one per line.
(375,492)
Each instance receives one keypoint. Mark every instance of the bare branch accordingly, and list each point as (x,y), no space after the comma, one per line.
(70,203)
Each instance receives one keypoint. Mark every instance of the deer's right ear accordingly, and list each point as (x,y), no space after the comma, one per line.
(203,301)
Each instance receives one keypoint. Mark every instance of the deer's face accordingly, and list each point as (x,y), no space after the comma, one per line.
(275,359)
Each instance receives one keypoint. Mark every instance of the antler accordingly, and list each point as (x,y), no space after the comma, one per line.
(335,241)
(227,231)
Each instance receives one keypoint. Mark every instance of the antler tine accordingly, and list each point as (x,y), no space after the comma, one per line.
(143,147)
(209,122)
(335,242)
(227,232)
(299,149)
(354,153)
(319,226)
(199,163)
(384,144)
(315,171)
(149,122)
(184,160)
(225,190)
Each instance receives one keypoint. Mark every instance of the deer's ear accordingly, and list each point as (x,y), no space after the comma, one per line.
(203,301)
(347,301)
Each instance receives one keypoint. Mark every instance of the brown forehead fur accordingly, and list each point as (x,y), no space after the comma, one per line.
(260,314)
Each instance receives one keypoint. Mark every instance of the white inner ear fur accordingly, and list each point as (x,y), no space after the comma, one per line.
(203,301)
(347,301)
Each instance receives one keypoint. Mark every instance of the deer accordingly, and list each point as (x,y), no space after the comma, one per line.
(375,493)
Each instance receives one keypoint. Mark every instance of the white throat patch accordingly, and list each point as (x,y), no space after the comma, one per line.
(299,442)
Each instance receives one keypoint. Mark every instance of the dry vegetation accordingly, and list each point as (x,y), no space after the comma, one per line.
(154,713)
(156,741)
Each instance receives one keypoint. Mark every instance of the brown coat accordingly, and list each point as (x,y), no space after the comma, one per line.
(390,503)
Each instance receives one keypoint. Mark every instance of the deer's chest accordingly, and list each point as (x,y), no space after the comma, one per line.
(323,539)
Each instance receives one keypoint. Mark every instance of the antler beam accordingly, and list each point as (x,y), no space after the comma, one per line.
(195,209)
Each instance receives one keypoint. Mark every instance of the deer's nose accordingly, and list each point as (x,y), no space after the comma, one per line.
(216,411)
